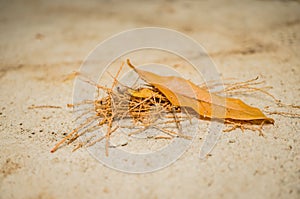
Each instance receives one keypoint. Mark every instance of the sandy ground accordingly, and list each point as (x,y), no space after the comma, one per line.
(41,42)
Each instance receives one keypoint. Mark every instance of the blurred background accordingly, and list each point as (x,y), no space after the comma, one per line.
(43,41)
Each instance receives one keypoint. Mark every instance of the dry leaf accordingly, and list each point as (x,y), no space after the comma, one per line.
(182,92)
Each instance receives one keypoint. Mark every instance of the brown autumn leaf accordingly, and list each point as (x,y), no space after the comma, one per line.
(182,92)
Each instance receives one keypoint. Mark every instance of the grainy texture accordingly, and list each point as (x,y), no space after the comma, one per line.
(40,42)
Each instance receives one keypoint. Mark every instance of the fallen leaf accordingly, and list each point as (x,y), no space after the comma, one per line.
(182,92)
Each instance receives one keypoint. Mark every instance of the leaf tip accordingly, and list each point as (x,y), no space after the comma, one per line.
(270,120)
(130,64)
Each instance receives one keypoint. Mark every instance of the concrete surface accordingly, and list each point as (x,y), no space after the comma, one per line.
(42,41)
